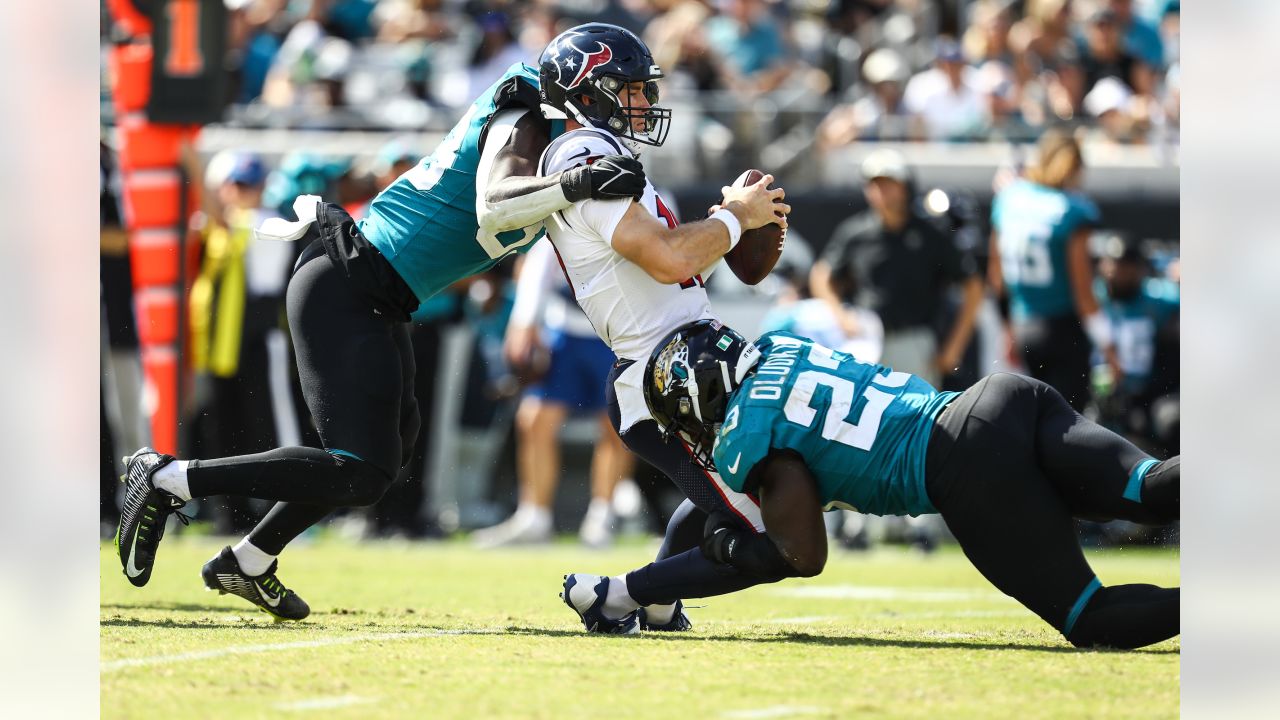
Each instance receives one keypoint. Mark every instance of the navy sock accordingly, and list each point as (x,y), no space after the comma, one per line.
(687,575)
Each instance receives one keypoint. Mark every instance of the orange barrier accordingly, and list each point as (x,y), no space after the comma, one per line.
(149,156)
(160,368)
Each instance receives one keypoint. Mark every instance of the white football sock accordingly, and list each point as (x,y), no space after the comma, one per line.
(660,614)
(173,478)
(536,517)
(618,602)
(253,561)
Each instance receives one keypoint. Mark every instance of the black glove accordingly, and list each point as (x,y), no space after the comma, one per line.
(719,546)
(611,177)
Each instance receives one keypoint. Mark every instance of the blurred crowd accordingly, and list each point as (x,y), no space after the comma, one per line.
(948,70)
(913,282)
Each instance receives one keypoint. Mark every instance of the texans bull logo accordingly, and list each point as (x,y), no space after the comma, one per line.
(583,63)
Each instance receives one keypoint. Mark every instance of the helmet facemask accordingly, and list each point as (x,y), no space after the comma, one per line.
(620,117)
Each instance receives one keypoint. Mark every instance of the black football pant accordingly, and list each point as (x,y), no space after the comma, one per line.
(1010,465)
(356,367)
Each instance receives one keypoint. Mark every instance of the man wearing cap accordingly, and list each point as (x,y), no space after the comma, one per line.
(946,98)
(893,261)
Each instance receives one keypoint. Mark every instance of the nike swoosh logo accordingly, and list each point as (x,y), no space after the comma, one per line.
(268,599)
(131,569)
(585,152)
(733,469)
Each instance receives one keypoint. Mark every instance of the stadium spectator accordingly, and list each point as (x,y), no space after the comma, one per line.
(1104,55)
(1141,38)
(495,51)
(893,261)
(946,99)
(1116,110)
(752,44)
(681,48)
(987,39)
(237,326)
(1040,261)
(1144,311)
(1044,29)
(1170,20)
(878,115)
(428,20)
(550,341)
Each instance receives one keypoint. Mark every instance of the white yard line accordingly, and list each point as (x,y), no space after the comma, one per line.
(325,703)
(802,620)
(861,592)
(114,665)
(772,711)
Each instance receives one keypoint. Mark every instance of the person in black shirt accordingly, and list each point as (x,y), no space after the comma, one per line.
(896,263)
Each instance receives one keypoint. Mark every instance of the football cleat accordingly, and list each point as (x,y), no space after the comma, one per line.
(223,574)
(679,622)
(143,516)
(586,595)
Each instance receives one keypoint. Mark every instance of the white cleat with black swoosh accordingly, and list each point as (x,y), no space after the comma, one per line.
(223,574)
(143,516)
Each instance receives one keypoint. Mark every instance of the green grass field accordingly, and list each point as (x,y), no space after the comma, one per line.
(444,631)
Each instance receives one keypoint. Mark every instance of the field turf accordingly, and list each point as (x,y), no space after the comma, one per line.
(441,630)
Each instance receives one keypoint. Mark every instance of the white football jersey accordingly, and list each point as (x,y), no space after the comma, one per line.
(630,310)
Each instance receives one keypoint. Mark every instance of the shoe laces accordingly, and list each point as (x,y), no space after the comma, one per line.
(271,583)
(152,517)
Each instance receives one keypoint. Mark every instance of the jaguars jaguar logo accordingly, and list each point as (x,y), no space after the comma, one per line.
(672,369)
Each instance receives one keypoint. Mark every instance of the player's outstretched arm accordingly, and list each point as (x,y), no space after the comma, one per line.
(673,255)
(795,541)
(510,193)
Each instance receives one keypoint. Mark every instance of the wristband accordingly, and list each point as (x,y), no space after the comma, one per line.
(730,221)
(1098,327)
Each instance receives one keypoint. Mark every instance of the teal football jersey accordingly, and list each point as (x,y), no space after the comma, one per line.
(1135,323)
(862,429)
(425,222)
(1034,223)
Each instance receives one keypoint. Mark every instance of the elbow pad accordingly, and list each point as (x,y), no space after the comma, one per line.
(753,554)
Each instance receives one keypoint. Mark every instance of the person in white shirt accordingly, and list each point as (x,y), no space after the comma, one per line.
(638,274)
(946,98)
(553,342)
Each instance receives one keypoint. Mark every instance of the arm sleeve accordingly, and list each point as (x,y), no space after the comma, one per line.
(515,212)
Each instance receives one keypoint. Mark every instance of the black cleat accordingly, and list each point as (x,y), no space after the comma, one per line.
(679,622)
(223,574)
(144,513)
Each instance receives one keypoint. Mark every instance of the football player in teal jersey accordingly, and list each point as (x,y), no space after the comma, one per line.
(1144,312)
(1007,463)
(1040,262)
(476,199)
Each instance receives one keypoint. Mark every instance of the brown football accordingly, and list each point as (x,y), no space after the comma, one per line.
(753,258)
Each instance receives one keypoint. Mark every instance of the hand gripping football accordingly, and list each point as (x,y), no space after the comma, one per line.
(753,258)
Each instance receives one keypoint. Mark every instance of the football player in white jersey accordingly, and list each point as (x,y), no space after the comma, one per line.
(638,275)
